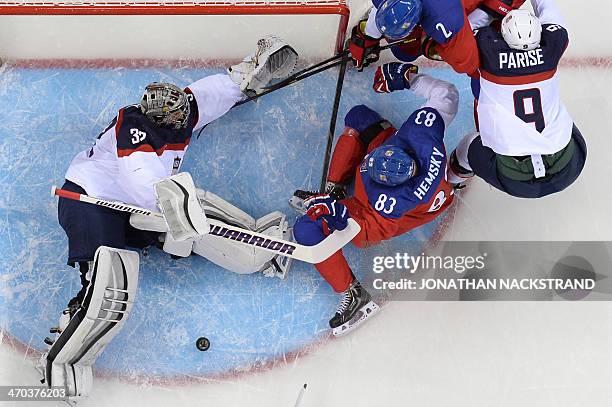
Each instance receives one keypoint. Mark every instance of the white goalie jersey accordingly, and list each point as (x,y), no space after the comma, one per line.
(133,153)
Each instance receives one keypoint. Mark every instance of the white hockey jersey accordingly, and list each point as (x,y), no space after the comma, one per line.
(133,153)
(520,112)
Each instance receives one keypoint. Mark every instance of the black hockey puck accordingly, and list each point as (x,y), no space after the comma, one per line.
(203,344)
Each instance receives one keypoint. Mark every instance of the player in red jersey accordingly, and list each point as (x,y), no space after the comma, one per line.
(437,29)
(400,181)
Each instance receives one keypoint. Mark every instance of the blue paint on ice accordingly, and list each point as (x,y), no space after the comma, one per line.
(255,156)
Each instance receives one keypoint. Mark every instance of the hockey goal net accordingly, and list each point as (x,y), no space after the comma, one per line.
(166,30)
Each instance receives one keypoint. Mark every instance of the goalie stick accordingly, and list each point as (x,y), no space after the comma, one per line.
(309,254)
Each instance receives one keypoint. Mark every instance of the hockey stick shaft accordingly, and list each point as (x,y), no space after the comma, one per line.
(119,206)
(289,81)
(332,123)
(309,254)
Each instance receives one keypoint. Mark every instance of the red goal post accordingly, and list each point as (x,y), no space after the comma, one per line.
(337,8)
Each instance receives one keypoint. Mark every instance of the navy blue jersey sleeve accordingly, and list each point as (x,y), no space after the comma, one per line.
(193,108)
(555,40)
(377,3)
(442,19)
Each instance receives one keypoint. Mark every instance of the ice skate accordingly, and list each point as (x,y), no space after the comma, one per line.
(355,307)
(337,191)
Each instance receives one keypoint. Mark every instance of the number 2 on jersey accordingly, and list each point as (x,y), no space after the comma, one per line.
(533,115)
(447,33)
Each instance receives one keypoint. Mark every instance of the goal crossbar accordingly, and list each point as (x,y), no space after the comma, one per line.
(212,7)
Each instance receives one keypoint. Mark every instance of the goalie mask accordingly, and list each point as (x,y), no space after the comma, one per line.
(166,104)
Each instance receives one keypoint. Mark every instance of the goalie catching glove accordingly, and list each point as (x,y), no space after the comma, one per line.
(273,60)
(393,76)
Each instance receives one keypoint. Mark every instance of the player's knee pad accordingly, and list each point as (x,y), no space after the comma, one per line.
(146,222)
(107,304)
(174,247)
(367,123)
(307,231)
(361,117)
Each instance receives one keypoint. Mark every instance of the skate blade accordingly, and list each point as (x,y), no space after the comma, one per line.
(367,311)
(297,204)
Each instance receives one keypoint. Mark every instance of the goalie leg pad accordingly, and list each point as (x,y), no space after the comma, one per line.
(108,302)
(178,200)
(219,209)
(245,259)
(214,207)
(273,60)
(226,253)
(146,222)
(176,248)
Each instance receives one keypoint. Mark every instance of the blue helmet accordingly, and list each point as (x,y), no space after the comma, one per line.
(390,165)
(396,19)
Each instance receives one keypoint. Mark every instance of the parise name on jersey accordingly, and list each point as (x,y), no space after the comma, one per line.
(526,59)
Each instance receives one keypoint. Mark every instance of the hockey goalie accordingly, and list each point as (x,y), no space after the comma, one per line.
(136,160)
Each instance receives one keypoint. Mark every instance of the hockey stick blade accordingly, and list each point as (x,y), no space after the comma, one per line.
(308,254)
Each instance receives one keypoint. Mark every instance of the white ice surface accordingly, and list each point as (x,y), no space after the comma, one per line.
(414,354)
(498,354)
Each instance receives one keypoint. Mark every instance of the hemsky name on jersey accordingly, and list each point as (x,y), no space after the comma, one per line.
(434,170)
(526,59)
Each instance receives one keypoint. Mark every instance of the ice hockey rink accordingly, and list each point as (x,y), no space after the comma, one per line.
(269,337)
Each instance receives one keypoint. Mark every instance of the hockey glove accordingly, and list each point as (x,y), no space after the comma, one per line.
(499,8)
(332,212)
(429,49)
(393,76)
(364,50)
